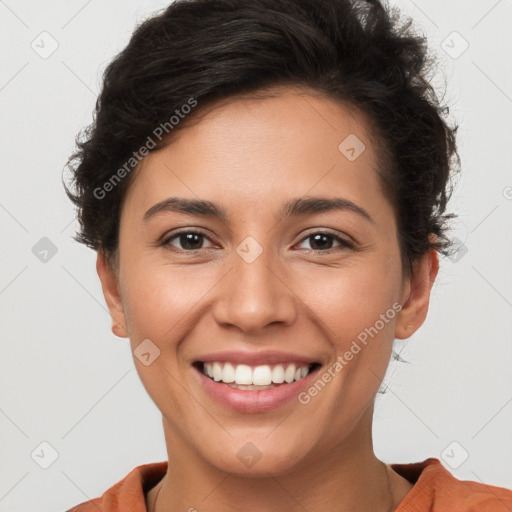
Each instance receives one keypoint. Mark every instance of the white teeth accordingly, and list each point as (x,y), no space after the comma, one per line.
(243,374)
(252,387)
(263,375)
(289,374)
(278,374)
(217,371)
(228,374)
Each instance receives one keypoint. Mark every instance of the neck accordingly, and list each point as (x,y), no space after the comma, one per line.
(345,478)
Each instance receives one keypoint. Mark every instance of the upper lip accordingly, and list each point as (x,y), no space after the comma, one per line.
(256,358)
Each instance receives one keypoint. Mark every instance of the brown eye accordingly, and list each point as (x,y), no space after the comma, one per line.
(189,240)
(323,242)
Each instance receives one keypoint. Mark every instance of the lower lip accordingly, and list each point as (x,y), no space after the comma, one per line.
(253,401)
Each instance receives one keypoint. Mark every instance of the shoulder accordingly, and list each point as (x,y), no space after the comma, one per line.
(437,490)
(87,506)
(129,493)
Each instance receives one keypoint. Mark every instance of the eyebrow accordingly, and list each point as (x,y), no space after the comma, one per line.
(294,207)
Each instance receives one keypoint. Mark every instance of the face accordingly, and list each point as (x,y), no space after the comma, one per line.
(318,284)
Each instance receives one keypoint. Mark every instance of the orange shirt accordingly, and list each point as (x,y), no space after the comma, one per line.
(435,490)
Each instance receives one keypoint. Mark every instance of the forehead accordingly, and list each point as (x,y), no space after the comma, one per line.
(246,149)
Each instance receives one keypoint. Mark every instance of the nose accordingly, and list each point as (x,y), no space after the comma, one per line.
(254,295)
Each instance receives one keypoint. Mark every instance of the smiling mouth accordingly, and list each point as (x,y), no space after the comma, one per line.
(254,378)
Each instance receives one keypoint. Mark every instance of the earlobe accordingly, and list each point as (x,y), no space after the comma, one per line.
(417,295)
(119,330)
(110,287)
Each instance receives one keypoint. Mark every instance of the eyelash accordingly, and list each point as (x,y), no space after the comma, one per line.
(344,244)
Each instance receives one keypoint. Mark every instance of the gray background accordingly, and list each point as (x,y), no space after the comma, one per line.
(69,383)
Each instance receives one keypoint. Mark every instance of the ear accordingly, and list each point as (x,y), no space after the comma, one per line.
(110,286)
(416,295)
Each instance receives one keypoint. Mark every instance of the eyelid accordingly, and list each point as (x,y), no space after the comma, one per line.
(343,242)
(173,234)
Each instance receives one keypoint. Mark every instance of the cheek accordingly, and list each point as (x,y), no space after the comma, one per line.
(160,300)
(349,300)
(357,309)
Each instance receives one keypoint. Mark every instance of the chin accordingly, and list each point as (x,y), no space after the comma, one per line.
(259,459)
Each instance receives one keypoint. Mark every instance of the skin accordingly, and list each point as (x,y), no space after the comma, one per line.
(250,156)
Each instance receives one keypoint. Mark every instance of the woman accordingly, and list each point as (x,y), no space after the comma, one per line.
(265,183)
